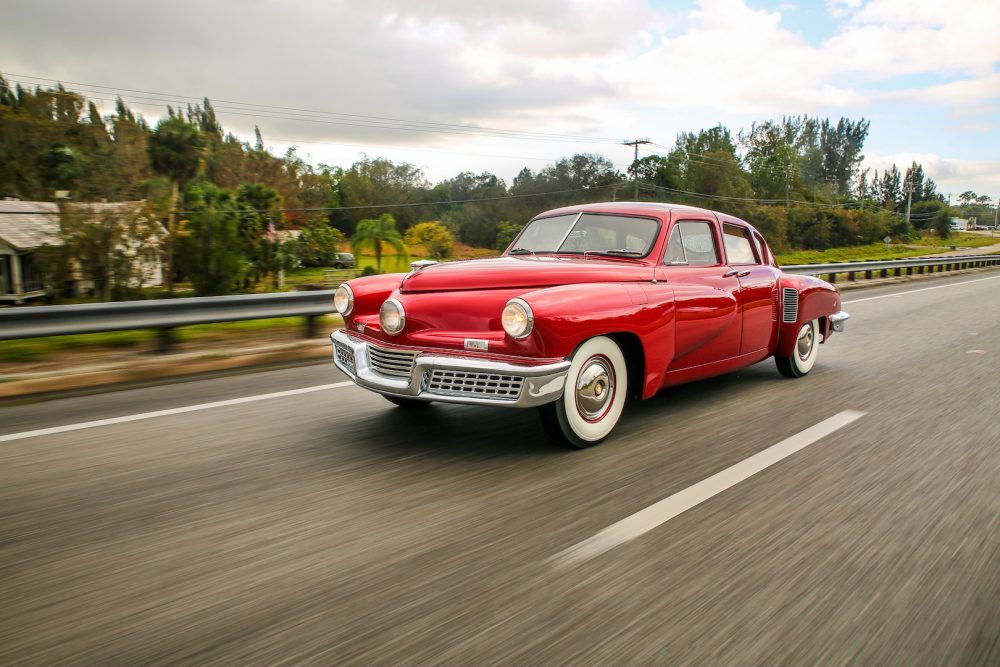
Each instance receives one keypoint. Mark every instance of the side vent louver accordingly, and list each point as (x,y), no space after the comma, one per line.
(790,305)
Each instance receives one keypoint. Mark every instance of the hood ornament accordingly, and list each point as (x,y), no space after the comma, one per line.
(421,264)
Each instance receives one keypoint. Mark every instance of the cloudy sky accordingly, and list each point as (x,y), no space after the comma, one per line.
(407,79)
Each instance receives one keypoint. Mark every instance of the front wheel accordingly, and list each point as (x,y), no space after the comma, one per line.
(803,354)
(594,395)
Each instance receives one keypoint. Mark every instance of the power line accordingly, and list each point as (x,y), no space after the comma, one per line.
(332,117)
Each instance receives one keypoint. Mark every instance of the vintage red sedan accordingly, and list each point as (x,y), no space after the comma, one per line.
(589,306)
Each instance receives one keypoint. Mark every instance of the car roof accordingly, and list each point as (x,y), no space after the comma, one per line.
(627,207)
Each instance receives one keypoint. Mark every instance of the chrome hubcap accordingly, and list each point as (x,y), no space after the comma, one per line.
(595,387)
(804,345)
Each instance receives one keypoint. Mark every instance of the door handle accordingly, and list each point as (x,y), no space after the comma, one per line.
(743,274)
(731,274)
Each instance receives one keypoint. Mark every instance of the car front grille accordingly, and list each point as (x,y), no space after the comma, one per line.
(391,363)
(345,355)
(790,310)
(470,383)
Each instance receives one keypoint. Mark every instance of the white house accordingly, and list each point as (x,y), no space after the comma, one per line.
(24,227)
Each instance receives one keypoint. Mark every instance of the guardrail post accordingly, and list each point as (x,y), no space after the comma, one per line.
(164,339)
(833,278)
(310,330)
(885,273)
(920,269)
(868,274)
(898,271)
(852,275)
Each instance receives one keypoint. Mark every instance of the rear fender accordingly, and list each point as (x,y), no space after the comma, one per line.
(817,299)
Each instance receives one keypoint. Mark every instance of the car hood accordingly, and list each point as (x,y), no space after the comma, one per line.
(524,272)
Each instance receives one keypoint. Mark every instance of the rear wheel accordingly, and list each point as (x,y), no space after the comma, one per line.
(594,396)
(406,403)
(803,354)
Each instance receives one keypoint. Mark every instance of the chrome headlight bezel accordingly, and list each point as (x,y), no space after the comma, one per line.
(392,303)
(343,299)
(521,321)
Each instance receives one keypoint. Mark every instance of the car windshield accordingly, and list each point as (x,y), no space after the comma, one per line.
(620,235)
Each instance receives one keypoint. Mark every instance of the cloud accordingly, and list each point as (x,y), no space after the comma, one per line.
(949,173)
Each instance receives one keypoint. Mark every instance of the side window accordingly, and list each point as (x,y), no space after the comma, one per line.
(739,248)
(692,243)
(765,256)
(675,248)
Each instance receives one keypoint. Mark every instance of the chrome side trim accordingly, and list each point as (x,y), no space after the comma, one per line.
(539,384)
(838,320)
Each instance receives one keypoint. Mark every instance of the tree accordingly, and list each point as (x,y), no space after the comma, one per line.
(210,248)
(381,234)
(318,243)
(111,245)
(942,223)
(433,236)
(176,149)
(506,232)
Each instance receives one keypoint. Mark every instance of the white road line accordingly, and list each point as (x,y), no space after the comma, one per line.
(171,411)
(659,513)
(922,289)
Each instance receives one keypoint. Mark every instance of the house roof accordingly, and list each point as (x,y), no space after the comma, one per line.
(29,224)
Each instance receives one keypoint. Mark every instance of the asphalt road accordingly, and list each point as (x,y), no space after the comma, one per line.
(329,527)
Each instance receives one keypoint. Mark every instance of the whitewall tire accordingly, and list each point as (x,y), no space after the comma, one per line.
(594,395)
(804,352)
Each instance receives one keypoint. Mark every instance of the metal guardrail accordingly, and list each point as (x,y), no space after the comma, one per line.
(162,314)
(895,267)
(166,314)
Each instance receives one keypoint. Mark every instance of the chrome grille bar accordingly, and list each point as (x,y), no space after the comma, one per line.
(391,363)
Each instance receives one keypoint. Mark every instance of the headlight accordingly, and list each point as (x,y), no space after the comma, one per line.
(517,318)
(392,317)
(343,300)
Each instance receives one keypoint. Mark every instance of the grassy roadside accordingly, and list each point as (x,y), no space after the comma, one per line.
(926,245)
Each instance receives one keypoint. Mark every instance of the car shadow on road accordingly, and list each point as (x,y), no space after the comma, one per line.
(448,432)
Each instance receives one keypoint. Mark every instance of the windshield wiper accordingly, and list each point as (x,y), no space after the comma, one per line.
(618,251)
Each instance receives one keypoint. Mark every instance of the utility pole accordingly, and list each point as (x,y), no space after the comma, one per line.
(635,162)
(909,198)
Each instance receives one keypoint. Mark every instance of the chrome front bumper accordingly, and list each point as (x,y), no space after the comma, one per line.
(448,379)
(839,320)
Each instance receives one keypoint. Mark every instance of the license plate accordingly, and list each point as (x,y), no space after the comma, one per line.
(476,344)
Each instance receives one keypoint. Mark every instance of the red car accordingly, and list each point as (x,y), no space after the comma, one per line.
(590,305)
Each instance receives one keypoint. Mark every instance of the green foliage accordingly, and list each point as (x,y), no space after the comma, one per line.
(942,223)
(433,236)
(379,234)
(318,243)
(506,232)
(369,271)
(210,248)
(176,149)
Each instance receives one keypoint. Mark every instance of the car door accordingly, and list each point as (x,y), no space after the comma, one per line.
(758,281)
(706,294)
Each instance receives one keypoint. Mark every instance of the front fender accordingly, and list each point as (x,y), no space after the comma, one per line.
(816,299)
(567,315)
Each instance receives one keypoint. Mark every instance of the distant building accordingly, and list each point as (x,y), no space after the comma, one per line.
(959,224)
(26,226)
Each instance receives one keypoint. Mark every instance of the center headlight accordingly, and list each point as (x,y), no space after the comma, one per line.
(517,318)
(391,316)
(343,300)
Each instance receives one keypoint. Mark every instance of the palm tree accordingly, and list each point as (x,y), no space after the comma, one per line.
(380,233)
(175,151)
